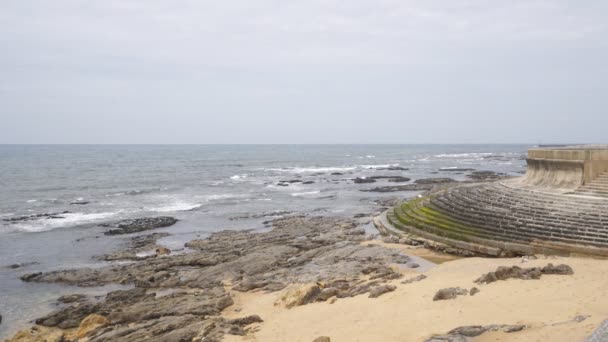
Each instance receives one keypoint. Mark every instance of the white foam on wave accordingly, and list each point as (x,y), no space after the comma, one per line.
(326,169)
(239,177)
(31,201)
(313,169)
(464,155)
(6,214)
(176,206)
(307,193)
(66,220)
(380,166)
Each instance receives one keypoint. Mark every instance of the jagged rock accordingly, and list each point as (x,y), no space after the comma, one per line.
(449,293)
(380,290)
(141,224)
(562,269)
(473,291)
(463,334)
(322,251)
(504,273)
(90,324)
(55,215)
(163,251)
(301,296)
(72,298)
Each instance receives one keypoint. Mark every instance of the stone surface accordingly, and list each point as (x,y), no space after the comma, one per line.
(141,224)
(181,296)
(504,273)
(449,293)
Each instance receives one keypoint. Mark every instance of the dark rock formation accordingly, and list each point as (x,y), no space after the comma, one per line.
(462,334)
(450,293)
(486,176)
(473,291)
(56,215)
(380,290)
(504,273)
(72,298)
(360,180)
(141,224)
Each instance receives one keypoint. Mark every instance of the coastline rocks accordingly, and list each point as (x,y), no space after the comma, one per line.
(504,273)
(380,290)
(141,224)
(484,176)
(90,324)
(463,334)
(22,264)
(79,202)
(56,215)
(473,291)
(434,181)
(72,298)
(362,180)
(450,293)
(181,297)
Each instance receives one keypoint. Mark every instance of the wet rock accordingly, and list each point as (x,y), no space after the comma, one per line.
(380,290)
(139,225)
(485,176)
(399,179)
(504,273)
(22,264)
(434,181)
(363,180)
(308,182)
(449,293)
(71,298)
(55,215)
(337,174)
(79,202)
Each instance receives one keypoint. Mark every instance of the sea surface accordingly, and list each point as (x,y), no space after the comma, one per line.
(207,187)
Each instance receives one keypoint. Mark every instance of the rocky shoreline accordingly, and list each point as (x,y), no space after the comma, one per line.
(181,296)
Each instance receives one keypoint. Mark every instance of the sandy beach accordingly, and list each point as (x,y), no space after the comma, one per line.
(546,306)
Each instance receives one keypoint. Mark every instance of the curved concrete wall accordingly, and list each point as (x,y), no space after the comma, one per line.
(559,174)
(565,168)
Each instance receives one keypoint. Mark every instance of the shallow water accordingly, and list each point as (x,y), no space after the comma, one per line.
(207,187)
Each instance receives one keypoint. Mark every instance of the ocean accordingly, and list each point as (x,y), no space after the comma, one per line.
(207,187)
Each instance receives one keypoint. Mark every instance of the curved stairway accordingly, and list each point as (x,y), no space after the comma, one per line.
(497,219)
(597,187)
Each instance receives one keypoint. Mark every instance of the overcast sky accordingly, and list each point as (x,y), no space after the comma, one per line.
(313,71)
